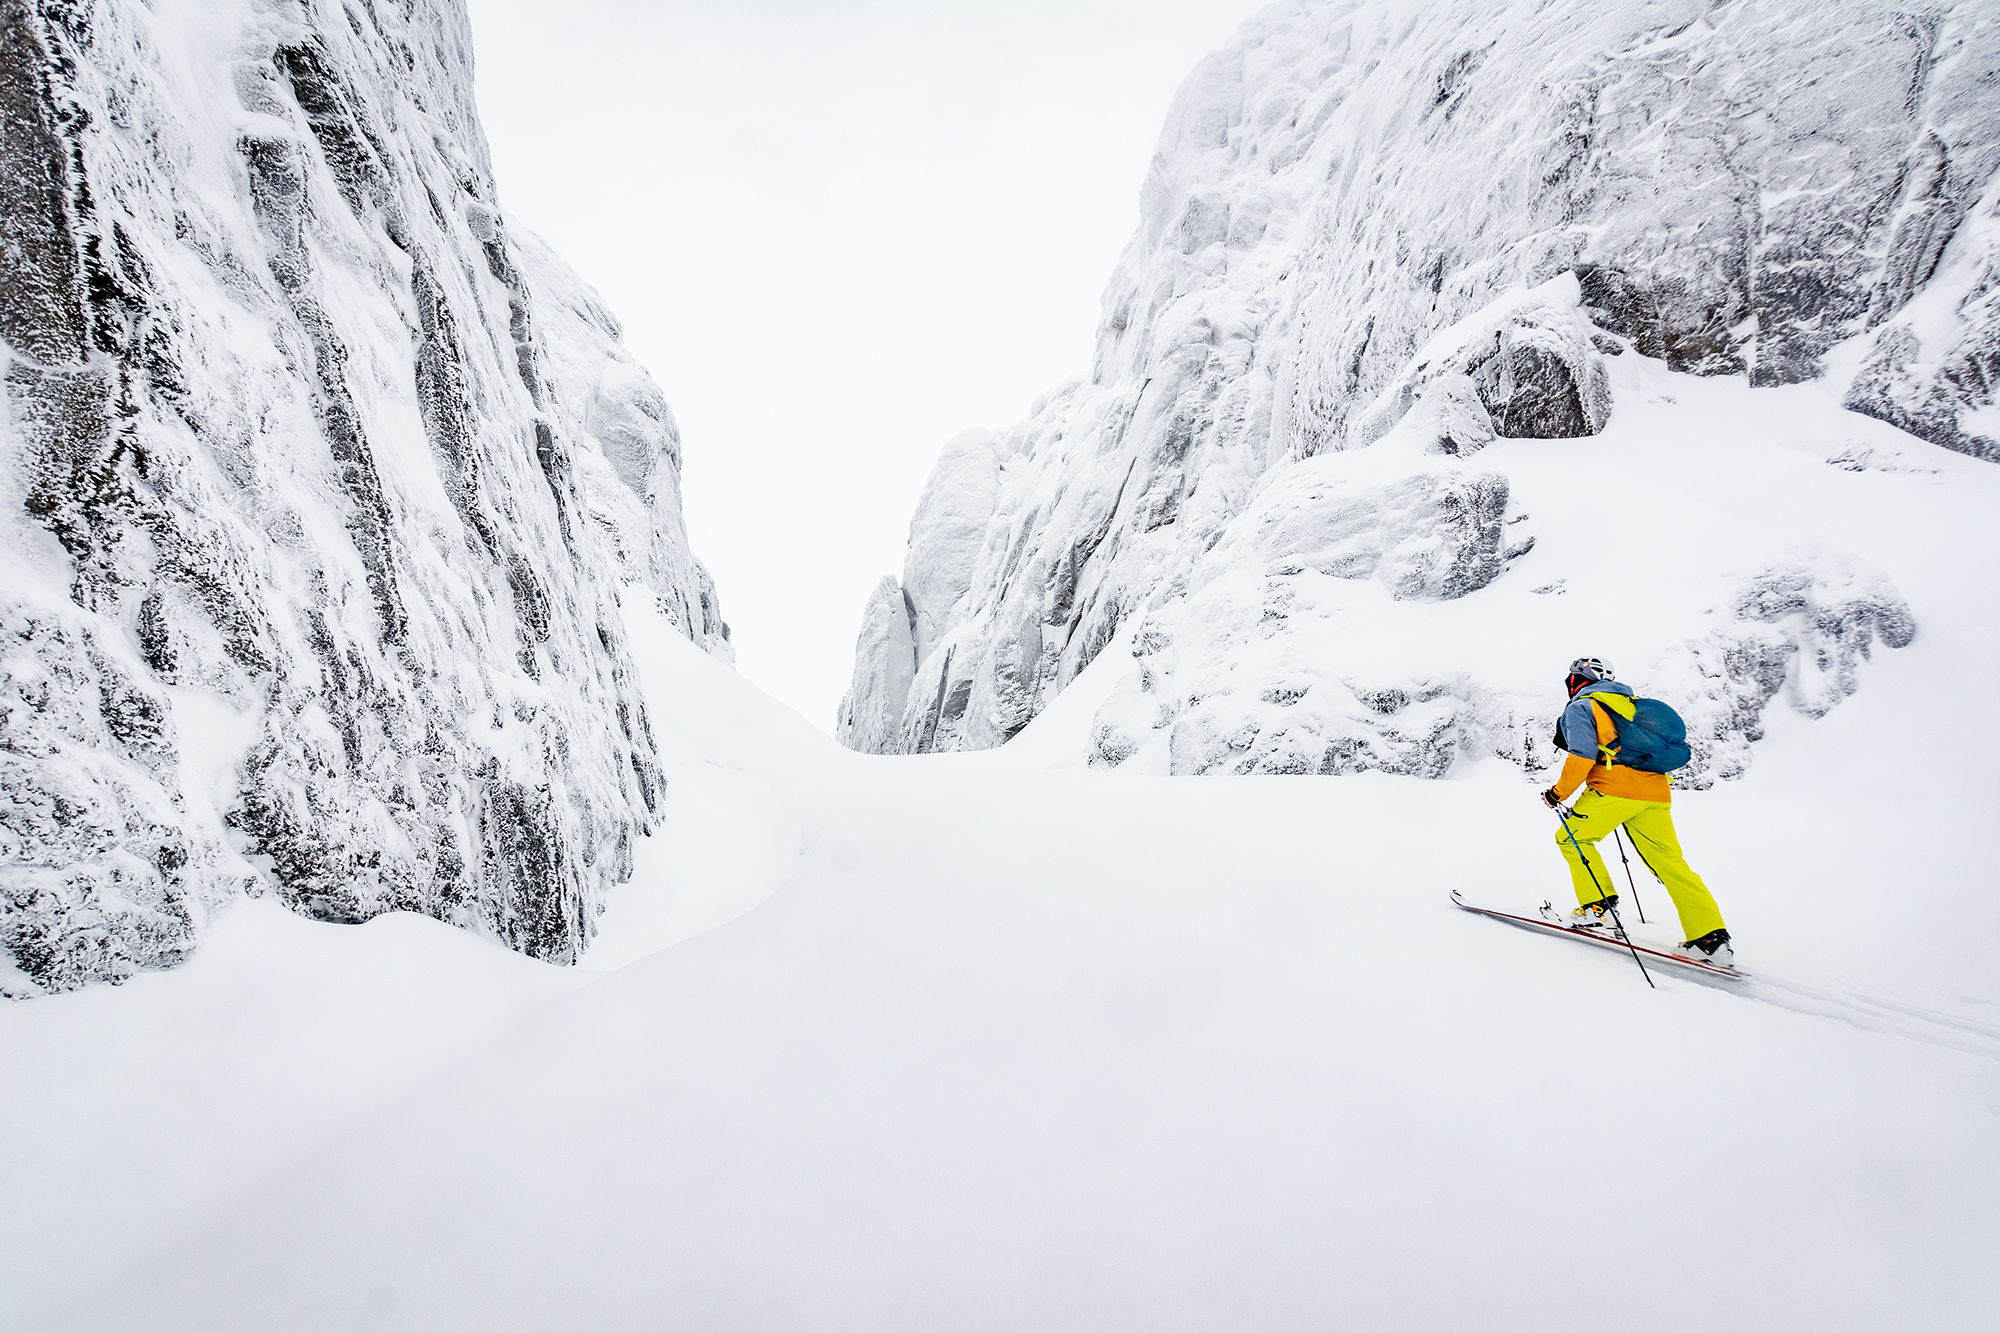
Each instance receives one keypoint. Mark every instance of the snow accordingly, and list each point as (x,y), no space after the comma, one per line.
(994,1040)
(190,1087)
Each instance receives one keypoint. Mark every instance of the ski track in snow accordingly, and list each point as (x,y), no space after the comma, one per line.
(1867,1012)
(1878,1015)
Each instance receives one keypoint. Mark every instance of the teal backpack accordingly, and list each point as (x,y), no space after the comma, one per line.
(1651,738)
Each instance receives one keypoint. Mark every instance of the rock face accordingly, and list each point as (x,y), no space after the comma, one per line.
(319,482)
(627,457)
(1259,672)
(1428,226)
(1935,366)
(1524,366)
(871,716)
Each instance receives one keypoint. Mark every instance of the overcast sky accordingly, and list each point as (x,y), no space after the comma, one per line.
(838,232)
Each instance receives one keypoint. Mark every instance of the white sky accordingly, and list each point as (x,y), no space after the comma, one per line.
(838,232)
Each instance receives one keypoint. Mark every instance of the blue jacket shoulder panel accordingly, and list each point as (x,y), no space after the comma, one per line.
(1579,720)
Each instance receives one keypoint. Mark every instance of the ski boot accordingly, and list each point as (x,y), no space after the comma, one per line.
(1710,948)
(1592,916)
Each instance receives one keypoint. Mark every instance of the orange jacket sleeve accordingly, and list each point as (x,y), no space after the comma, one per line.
(1575,769)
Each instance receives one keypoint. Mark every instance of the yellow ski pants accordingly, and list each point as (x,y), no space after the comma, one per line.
(1651,825)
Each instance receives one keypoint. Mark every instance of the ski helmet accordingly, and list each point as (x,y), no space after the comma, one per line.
(1588,670)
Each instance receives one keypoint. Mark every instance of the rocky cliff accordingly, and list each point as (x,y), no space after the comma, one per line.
(1376,239)
(320,483)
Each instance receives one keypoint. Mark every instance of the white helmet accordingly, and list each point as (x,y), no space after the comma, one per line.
(1590,669)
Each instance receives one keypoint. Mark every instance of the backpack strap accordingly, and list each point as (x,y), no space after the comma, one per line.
(1608,755)
(1622,705)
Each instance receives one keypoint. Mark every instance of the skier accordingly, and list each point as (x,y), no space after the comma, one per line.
(1620,795)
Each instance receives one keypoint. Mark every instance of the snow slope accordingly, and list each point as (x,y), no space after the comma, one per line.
(317,484)
(992,1040)
(1411,229)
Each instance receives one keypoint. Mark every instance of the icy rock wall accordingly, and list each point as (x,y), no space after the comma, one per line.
(1259,671)
(1366,217)
(1934,369)
(627,451)
(318,487)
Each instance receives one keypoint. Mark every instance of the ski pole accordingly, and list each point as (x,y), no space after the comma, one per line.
(1564,817)
(1619,834)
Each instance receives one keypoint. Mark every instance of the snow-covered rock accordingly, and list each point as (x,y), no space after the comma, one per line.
(1242,683)
(1432,533)
(871,716)
(1450,417)
(905,622)
(1934,367)
(946,533)
(318,485)
(628,454)
(1438,231)
(1527,361)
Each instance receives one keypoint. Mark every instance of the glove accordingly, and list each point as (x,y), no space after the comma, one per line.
(1550,799)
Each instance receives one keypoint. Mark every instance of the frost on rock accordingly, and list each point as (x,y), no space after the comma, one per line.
(103,874)
(1430,534)
(1935,366)
(871,716)
(1450,418)
(317,486)
(629,445)
(1800,628)
(1423,228)
(1232,686)
(1526,361)
(946,533)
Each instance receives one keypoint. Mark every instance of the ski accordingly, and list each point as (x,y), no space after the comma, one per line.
(1605,938)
